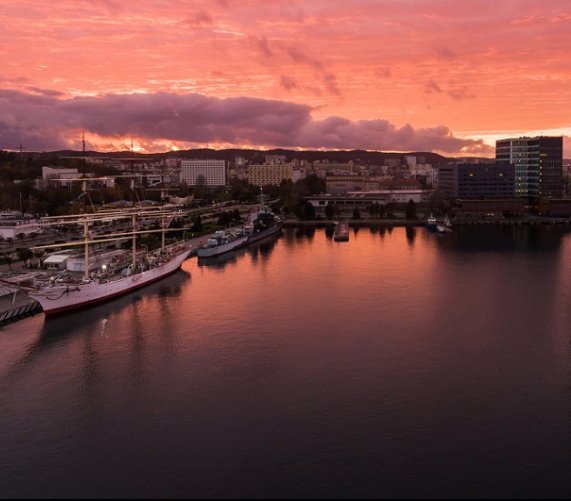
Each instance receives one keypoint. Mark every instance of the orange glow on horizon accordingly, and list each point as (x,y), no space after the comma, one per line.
(482,74)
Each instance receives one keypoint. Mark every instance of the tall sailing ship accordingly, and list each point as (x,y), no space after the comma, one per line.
(118,277)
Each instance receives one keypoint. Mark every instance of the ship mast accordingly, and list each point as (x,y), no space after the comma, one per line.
(89,239)
(134,226)
(86,249)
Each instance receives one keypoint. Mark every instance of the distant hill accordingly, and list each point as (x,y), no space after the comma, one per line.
(369,157)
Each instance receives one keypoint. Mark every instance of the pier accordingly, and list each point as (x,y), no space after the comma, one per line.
(15,305)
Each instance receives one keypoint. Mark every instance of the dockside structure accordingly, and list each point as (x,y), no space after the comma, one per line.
(477,181)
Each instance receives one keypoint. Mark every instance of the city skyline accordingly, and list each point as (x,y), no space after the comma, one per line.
(445,76)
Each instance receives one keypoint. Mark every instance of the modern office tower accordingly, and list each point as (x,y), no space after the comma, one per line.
(538,165)
(211,172)
(475,181)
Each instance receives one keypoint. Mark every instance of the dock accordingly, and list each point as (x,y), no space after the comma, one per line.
(15,305)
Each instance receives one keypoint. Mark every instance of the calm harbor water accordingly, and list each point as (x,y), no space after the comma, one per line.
(400,364)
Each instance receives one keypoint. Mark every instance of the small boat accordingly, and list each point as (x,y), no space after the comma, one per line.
(341,232)
(431,223)
(442,228)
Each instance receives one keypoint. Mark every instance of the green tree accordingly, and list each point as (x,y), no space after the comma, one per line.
(309,211)
(411,210)
(330,210)
(200,187)
(390,207)
(286,189)
(24,255)
(197,226)
(315,185)
(6,260)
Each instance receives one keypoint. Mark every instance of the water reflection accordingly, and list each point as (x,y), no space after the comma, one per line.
(493,239)
(262,251)
(258,251)
(95,322)
(444,359)
(304,232)
(220,262)
(309,232)
(410,235)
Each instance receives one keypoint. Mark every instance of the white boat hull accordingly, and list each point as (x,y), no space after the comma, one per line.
(63,298)
(221,249)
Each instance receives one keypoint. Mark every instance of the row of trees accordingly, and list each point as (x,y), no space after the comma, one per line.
(375,210)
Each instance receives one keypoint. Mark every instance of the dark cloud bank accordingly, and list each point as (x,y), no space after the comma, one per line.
(43,120)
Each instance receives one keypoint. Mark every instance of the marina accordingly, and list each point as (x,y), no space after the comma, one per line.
(99,272)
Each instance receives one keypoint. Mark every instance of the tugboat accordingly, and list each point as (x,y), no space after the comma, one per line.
(431,223)
(342,232)
(444,226)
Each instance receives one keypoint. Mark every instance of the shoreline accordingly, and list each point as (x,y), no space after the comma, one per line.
(392,223)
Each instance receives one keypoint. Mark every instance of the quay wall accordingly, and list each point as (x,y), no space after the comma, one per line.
(405,223)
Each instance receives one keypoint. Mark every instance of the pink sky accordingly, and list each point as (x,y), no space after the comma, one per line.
(377,74)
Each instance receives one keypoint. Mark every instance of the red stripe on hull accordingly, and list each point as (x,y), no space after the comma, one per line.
(95,302)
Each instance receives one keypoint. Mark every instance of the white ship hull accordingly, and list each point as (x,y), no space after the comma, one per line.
(221,249)
(63,298)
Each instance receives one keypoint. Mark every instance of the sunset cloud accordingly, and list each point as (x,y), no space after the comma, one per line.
(472,65)
(198,119)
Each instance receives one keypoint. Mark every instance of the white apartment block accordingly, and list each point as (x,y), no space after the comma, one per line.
(213,172)
(265,175)
(51,173)
(427,170)
(13,228)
